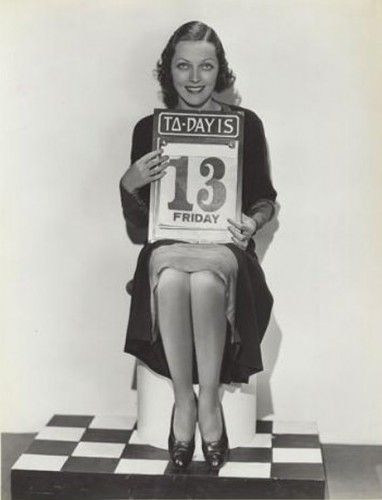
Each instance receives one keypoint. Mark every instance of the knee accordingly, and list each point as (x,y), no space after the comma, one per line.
(206,281)
(172,280)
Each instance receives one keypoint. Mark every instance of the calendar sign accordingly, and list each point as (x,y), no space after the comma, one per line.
(202,187)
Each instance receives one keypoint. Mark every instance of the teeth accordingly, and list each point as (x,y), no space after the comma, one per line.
(194,89)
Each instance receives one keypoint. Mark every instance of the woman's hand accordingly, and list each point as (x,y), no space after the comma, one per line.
(242,232)
(146,169)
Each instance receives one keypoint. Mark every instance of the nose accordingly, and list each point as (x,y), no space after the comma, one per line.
(194,75)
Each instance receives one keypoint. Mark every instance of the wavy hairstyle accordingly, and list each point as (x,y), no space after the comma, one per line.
(193,31)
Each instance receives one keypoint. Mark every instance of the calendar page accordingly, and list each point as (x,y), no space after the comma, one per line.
(202,187)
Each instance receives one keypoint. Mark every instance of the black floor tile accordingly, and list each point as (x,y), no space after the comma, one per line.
(144,451)
(90,464)
(70,420)
(106,435)
(295,441)
(45,447)
(250,455)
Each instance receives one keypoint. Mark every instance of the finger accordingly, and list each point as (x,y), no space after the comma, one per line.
(248,229)
(238,225)
(157,176)
(152,154)
(160,165)
(240,244)
(157,169)
(236,233)
(156,161)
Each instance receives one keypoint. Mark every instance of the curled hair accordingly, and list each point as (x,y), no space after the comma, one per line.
(191,31)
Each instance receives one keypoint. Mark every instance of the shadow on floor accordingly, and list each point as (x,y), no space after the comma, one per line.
(353,471)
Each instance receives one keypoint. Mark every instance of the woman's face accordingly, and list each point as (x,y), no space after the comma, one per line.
(194,69)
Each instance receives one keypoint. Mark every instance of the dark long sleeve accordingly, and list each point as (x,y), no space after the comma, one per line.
(135,205)
(257,184)
(258,195)
(262,212)
(135,210)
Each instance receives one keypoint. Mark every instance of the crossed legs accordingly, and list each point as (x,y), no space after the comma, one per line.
(191,308)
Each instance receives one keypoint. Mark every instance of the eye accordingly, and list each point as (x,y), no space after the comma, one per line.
(207,66)
(182,65)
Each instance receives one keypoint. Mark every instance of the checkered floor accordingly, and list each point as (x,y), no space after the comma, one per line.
(74,443)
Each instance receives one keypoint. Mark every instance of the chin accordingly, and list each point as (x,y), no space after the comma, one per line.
(195,101)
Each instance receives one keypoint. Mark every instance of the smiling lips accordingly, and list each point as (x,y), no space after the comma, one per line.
(195,89)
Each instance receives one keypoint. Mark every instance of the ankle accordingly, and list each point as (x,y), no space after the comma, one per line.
(211,427)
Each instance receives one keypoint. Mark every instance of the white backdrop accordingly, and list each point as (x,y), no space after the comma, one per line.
(76,77)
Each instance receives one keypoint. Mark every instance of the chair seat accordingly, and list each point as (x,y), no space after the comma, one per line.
(129,287)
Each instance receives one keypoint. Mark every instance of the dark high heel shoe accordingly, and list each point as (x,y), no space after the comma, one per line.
(181,452)
(216,453)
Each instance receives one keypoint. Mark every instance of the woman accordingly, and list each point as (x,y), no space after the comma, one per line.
(198,312)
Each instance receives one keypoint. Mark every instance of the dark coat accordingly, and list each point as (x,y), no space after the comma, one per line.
(253,298)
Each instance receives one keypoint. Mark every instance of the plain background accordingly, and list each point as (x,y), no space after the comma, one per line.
(76,76)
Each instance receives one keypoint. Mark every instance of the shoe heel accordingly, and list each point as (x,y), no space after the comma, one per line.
(216,453)
(181,452)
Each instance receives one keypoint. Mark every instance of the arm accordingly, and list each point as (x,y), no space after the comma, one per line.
(262,212)
(259,194)
(146,166)
(135,209)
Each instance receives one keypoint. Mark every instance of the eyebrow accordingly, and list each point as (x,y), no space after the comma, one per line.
(203,60)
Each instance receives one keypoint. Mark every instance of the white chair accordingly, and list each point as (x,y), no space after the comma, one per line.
(155,401)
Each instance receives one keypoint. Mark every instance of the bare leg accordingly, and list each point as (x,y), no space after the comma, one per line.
(209,324)
(174,315)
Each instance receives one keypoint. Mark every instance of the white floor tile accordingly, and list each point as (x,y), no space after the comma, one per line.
(281,427)
(155,441)
(198,453)
(40,462)
(259,441)
(54,433)
(297,455)
(106,450)
(245,469)
(133,466)
(122,422)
